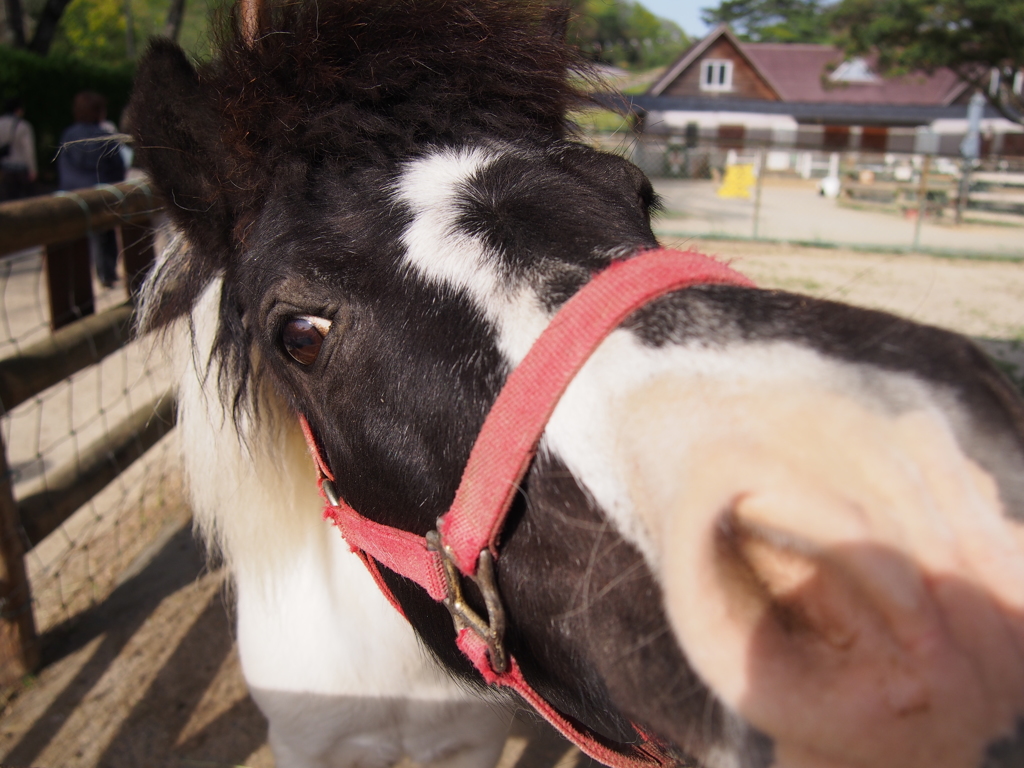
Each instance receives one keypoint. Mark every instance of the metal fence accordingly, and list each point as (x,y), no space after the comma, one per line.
(892,201)
(88,478)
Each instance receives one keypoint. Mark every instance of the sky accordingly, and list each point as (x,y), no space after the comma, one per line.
(685,13)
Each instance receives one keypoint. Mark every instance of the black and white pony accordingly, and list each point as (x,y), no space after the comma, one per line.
(765,529)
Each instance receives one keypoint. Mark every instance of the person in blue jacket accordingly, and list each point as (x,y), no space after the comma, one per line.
(88,156)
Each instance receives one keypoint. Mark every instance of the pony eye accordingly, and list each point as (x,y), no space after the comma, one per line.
(303,336)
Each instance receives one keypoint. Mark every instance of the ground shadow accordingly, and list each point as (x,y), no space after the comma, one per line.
(545,747)
(152,728)
(177,564)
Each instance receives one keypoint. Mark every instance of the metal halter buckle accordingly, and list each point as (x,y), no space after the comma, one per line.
(491,630)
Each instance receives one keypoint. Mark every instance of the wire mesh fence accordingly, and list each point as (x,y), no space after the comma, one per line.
(101,435)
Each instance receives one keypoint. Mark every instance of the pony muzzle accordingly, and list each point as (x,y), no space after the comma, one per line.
(833,570)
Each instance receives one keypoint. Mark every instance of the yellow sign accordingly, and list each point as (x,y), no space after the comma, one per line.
(737,182)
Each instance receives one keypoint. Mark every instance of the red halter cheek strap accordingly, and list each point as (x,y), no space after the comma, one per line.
(465,543)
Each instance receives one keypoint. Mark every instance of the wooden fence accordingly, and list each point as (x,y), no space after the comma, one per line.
(997,192)
(80,337)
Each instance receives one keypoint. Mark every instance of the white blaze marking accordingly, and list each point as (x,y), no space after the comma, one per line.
(436,250)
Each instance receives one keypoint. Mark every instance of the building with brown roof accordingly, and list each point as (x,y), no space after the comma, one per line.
(810,96)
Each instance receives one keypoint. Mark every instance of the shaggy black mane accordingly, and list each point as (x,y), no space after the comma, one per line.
(336,73)
(372,81)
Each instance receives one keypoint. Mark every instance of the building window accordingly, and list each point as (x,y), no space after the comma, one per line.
(716,75)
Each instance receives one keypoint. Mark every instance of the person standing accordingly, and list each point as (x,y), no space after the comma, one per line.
(89,155)
(17,152)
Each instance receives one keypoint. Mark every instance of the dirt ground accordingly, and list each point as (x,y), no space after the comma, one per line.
(151,677)
(791,210)
(983,299)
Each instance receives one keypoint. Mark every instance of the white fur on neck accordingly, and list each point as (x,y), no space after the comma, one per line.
(339,673)
(254,495)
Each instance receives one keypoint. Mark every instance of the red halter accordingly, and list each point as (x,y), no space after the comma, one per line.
(465,543)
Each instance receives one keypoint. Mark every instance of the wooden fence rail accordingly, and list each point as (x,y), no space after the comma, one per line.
(81,338)
(72,215)
(62,223)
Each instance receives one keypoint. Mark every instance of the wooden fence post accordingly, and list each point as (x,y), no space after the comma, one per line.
(19,645)
(69,282)
(922,200)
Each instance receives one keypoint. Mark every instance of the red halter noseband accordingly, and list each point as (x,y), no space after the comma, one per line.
(465,544)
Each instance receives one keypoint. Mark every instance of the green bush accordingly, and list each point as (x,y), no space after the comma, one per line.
(46,86)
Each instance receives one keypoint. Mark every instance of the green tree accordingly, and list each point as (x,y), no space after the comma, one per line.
(970,37)
(624,33)
(109,30)
(15,18)
(783,21)
(93,30)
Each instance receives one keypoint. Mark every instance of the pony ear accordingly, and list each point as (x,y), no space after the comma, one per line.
(177,130)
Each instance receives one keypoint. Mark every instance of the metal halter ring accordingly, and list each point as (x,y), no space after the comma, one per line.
(491,630)
(329,493)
